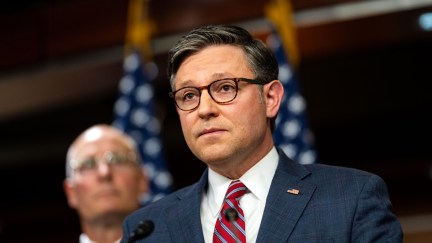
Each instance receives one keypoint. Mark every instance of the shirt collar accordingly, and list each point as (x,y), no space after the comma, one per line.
(85,239)
(257,179)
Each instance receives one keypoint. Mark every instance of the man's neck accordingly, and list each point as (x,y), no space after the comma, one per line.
(108,231)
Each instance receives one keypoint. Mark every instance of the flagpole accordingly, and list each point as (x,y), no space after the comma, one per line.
(280,13)
(292,133)
(140,29)
(135,109)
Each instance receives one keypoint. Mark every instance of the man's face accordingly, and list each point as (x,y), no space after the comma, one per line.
(223,135)
(106,189)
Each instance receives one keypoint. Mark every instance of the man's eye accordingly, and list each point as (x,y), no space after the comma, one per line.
(189,96)
(224,86)
(117,159)
(227,88)
(87,164)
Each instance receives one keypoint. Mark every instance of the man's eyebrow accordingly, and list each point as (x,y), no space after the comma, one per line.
(216,76)
(213,77)
(186,83)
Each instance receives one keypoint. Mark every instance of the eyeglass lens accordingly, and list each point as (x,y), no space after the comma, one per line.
(221,91)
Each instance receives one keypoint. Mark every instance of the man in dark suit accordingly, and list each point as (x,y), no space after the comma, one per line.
(226,89)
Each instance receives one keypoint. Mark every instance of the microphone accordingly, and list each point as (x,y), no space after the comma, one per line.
(231,214)
(144,229)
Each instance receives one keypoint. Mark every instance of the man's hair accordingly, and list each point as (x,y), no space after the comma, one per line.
(260,59)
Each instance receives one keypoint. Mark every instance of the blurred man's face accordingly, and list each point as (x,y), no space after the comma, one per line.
(106,182)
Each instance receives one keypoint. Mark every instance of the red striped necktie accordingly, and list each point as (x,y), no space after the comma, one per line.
(230,225)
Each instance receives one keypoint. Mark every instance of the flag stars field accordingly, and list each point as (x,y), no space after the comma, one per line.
(292,133)
(135,114)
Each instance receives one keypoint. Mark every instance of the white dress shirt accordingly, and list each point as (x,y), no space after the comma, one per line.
(257,179)
(84,239)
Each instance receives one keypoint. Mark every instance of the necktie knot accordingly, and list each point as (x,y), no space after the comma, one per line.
(236,190)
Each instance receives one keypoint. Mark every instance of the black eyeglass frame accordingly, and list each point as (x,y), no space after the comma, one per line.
(201,88)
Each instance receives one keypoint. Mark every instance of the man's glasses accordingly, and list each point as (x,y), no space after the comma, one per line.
(113,159)
(221,91)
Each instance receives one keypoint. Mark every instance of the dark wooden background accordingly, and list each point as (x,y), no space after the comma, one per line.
(365,80)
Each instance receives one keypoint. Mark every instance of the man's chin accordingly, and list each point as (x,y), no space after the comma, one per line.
(109,216)
(212,154)
(107,204)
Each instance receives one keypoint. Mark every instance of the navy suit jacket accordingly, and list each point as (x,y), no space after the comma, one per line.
(334,204)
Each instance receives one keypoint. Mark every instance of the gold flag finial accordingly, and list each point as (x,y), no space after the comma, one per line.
(280,13)
(140,28)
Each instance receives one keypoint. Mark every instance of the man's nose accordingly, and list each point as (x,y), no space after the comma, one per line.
(103,169)
(207,104)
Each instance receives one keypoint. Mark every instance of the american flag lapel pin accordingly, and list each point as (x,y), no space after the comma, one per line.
(293,191)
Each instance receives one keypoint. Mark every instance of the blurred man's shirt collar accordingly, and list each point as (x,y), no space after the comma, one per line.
(84,239)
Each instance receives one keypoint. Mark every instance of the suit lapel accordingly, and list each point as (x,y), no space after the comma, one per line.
(184,217)
(283,209)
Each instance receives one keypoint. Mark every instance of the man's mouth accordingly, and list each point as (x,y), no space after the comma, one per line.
(210,131)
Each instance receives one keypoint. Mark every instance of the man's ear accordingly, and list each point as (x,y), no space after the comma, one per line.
(273,92)
(69,190)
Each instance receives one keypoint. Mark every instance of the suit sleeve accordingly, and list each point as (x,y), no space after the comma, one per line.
(374,220)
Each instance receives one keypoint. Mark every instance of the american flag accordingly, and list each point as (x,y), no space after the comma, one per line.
(292,132)
(135,114)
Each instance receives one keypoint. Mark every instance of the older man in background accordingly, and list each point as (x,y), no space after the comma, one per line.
(104,182)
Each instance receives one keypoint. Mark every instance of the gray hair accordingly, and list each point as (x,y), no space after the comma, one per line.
(260,59)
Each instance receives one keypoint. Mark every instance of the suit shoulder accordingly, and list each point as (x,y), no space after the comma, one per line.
(331,173)
(337,170)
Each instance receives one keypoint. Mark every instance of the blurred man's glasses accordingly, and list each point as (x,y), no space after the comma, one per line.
(110,158)
(221,91)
